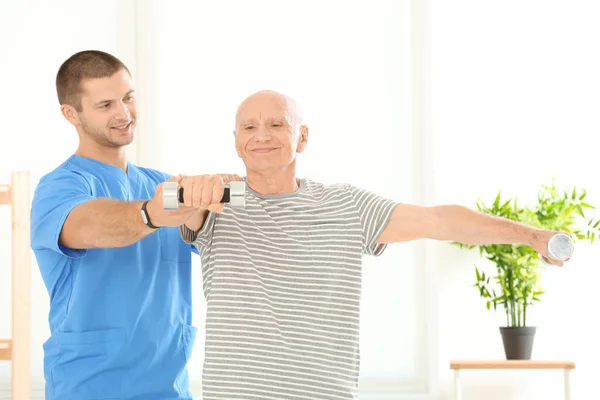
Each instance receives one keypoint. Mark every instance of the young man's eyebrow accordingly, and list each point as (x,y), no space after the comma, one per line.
(108,101)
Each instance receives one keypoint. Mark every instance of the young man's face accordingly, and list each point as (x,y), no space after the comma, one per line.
(108,113)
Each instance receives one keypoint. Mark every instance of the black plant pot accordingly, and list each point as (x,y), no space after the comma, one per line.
(518,342)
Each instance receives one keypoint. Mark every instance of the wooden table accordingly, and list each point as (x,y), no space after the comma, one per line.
(458,365)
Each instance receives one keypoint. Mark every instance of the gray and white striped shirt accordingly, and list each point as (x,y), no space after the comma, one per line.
(282,281)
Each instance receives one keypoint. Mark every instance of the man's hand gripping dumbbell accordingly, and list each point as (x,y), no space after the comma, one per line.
(182,200)
(208,192)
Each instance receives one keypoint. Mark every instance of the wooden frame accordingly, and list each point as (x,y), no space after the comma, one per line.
(17,349)
(458,365)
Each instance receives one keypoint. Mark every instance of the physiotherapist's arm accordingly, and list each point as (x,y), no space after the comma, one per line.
(104,223)
(67,218)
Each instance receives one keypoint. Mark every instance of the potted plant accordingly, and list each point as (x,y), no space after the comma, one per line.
(515,286)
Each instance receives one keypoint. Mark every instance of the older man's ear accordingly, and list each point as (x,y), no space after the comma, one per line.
(303,138)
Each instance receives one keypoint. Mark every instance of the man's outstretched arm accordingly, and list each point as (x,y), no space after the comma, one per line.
(65,215)
(460,224)
(104,223)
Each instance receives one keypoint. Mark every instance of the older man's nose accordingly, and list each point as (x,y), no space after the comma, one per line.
(263,135)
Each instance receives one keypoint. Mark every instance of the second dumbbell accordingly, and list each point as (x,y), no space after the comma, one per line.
(234,194)
(560,247)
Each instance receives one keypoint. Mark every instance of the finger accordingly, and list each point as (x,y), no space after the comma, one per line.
(197,191)
(230,177)
(159,191)
(176,178)
(188,190)
(207,193)
(226,177)
(217,193)
(552,262)
(544,259)
(216,208)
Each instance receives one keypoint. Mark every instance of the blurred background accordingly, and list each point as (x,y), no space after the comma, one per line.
(429,102)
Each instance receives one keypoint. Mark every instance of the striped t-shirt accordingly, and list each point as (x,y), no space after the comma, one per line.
(282,281)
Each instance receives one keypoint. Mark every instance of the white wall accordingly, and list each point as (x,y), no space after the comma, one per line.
(36,37)
(513,100)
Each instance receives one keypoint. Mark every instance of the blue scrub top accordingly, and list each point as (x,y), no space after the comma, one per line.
(120,318)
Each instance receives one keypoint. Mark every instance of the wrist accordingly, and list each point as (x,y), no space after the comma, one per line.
(195,223)
(536,237)
(149,216)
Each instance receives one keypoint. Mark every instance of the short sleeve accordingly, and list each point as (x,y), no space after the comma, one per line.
(203,239)
(54,198)
(374,213)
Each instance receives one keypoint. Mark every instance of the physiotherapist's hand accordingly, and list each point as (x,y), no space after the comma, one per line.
(172,218)
(200,193)
(204,192)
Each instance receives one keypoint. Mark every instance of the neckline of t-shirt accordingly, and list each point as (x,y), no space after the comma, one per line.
(300,189)
(109,167)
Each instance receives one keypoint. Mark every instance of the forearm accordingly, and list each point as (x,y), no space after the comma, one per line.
(471,227)
(196,222)
(190,230)
(104,223)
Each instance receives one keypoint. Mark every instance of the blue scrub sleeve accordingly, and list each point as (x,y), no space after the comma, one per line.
(54,198)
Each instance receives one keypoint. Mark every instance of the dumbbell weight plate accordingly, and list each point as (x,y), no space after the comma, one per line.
(560,247)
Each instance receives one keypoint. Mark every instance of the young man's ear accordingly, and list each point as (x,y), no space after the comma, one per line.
(70,114)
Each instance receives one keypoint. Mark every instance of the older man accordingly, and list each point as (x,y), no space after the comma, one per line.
(282,277)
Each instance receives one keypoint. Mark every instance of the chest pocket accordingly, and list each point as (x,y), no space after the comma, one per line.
(172,246)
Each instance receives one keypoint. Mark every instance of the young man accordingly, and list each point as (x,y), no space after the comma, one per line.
(120,288)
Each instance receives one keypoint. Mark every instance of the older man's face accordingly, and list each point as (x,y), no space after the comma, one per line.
(267,135)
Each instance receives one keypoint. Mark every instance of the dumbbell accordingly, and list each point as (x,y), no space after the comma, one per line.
(235,194)
(560,247)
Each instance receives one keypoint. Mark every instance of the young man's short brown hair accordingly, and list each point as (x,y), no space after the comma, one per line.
(88,64)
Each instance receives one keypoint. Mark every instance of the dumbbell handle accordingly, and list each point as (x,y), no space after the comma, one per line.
(224,199)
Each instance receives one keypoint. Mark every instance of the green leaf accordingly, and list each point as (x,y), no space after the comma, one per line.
(515,283)
(497,200)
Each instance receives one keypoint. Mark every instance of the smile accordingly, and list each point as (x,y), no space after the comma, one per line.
(122,127)
(264,150)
